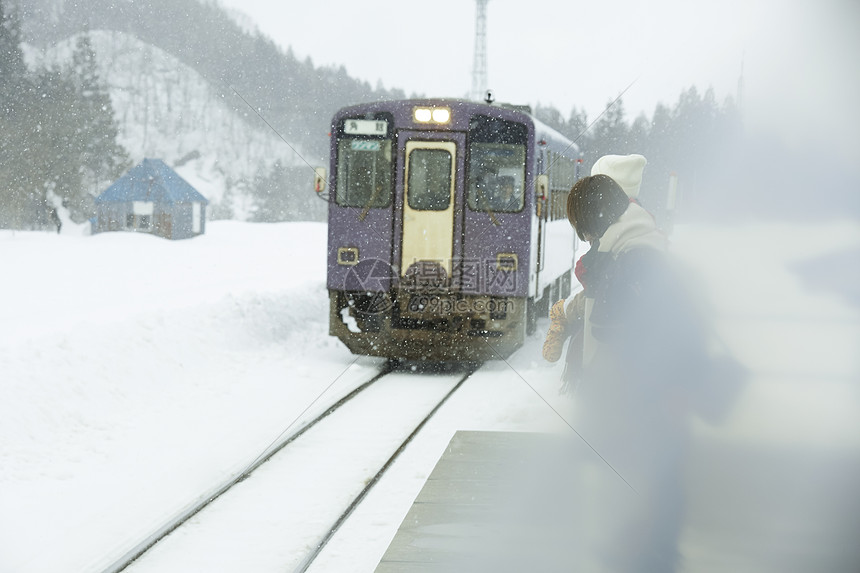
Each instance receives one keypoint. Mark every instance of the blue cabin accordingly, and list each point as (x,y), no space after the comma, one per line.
(152,198)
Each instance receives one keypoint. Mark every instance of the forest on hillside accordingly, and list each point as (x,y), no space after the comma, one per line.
(57,135)
(296,97)
(697,139)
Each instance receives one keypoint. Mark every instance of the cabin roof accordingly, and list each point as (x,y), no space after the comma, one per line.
(151,180)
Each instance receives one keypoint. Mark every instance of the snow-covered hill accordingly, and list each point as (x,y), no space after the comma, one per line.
(167,110)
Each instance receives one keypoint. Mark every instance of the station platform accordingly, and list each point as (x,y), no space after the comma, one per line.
(484,507)
(511,501)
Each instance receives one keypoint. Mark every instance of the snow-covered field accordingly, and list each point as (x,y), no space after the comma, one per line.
(136,373)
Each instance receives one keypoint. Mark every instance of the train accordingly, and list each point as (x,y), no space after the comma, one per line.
(447,228)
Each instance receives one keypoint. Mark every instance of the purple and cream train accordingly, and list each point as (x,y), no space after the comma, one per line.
(447,233)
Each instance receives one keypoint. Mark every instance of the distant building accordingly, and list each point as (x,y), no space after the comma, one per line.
(152,198)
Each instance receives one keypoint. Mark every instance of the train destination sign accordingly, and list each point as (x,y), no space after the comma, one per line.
(365,145)
(365,126)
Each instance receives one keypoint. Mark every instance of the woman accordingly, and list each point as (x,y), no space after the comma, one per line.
(568,317)
(636,340)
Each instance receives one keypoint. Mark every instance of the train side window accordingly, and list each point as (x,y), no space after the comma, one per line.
(429,185)
(562,176)
(364,173)
(558,207)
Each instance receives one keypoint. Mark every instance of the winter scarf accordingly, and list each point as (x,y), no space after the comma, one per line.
(635,229)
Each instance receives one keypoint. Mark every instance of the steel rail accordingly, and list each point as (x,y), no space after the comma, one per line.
(320,545)
(200,503)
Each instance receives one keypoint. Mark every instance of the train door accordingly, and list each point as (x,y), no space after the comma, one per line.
(430,169)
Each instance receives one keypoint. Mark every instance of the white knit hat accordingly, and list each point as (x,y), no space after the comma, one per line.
(625,169)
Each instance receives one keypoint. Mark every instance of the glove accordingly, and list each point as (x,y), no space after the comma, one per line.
(557,334)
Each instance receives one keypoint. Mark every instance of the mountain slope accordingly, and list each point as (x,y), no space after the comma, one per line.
(175,69)
(167,110)
(298,98)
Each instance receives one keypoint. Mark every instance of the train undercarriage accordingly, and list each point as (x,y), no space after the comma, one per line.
(428,325)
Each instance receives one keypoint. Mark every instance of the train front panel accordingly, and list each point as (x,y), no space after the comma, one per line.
(430,221)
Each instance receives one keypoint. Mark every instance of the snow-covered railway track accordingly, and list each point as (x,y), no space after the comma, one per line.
(282,516)
(320,545)
(194,507)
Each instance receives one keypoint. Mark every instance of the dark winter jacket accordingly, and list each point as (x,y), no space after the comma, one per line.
(645,326)
(642,319)
(610,274)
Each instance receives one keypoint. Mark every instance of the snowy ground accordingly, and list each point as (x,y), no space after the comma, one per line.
(136,373)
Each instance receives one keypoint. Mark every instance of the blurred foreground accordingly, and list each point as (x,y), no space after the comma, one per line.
(770,486)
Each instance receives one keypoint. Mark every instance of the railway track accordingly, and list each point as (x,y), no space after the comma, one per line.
(319,546)
(321,452)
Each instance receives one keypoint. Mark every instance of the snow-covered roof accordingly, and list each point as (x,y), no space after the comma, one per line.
(555,140)
(152,180)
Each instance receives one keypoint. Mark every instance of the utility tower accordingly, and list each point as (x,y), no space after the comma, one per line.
(479,63)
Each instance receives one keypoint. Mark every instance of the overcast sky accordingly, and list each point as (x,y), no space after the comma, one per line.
(798,56)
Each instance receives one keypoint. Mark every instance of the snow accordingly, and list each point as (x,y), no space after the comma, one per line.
(137,373)
(164,109)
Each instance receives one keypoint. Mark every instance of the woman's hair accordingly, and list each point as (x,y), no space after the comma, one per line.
(594,203)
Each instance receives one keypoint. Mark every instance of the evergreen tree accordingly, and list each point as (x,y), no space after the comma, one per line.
(638,134)
(284,194)
(102,158)
(225,208)
(550,116)
(577,127)
(12,67)
(52,172)
(15,88)
(609,134)
(57,135)
(657,149)
(577,131)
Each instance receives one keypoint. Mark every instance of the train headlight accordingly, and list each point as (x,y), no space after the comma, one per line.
(423,114)
(441,115)
(431,114)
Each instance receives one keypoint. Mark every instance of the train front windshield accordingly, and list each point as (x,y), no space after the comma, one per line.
(496,177)
(364,173)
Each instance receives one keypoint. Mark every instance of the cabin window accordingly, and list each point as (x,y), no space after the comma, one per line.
(137,221)
(429,184)
(364,173)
